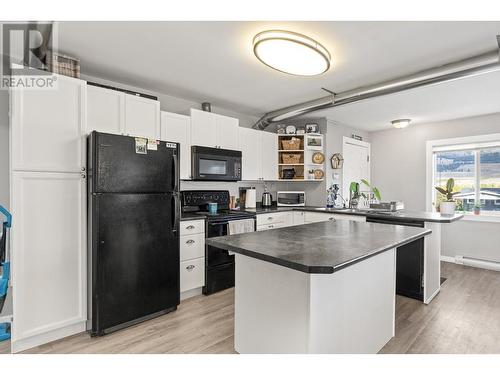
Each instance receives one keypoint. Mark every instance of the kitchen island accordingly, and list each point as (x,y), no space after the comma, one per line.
(325,287)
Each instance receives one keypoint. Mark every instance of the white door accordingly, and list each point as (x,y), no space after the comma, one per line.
(203,128)
(269,142)
(105,110)
(227,132)
(49,252)
(177,128)
(250,146)
(142,117)
(356,163)
(48,127)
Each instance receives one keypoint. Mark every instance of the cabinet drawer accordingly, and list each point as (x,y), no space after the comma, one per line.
(192,247)
(271,226)
(273,218)
(192,227)
(315,217)
(350,217)
(192,274)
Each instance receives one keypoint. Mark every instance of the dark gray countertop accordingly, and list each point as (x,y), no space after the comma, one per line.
(399,215)
(323,247)
(192,216)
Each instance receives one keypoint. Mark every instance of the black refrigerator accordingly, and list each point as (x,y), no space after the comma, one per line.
(133,213)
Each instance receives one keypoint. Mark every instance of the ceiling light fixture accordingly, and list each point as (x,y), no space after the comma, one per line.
(291,53)
(401,123)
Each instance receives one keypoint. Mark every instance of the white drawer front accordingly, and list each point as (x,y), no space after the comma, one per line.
(192,246)
(192,227)
(272,218)
(192,274)
(314,217)
(271,226)
(350,217)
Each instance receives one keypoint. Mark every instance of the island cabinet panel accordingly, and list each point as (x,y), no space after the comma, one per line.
(432,262)
(281,310)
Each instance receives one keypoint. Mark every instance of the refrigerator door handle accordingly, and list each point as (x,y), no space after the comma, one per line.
(176,215)
(176,172)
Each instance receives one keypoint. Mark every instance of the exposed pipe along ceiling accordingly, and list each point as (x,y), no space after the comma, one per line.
(476,65)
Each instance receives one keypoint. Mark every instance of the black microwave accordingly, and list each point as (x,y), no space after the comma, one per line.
(215,164)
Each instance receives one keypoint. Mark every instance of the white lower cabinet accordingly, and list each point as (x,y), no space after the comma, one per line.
(192,257)
(314,217)
(49,257)
(192,274)
(274,220)
(298,217)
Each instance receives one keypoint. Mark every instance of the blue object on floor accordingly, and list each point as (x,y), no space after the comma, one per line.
(5,266)
(4,331)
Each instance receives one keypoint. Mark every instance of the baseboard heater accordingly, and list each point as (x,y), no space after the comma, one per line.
(480,263)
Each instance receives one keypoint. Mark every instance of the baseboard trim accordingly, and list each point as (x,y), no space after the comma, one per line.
(445,258)
(191,293)
(472,262)
(44,338)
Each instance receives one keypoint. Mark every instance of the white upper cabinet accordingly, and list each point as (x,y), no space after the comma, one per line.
(212,130)
(48,127)
(259,153)
(250,146)
(142,117)
(269,155)
(203,128)
(177,128)
(116,112)
(227,132)
(105,110)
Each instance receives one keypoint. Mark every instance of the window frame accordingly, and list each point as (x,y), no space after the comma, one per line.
(450,142)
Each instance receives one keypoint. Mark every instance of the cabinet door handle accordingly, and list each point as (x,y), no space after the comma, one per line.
(331,218)
(190,227)
(271,226)
(190,242)
(83,175)
(190,267)
(269,218)
(83,169)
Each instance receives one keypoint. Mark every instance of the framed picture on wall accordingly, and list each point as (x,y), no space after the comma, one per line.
(312,128)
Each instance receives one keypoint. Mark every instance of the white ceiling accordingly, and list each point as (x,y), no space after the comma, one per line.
(213,61)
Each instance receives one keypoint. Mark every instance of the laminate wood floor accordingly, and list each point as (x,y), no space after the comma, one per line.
(463,318)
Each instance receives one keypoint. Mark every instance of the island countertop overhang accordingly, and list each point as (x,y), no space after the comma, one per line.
(321,248)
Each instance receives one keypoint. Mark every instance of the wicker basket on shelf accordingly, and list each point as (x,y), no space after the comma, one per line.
(290,158)
(291,144)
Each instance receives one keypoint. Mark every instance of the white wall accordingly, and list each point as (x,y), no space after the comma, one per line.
(4,148)
(334,142)
(399,170)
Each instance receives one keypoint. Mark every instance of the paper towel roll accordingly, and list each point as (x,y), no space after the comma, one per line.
(250,198)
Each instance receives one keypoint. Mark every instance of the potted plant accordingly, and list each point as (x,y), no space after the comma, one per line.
(374,190)
(447,207)
(477,209)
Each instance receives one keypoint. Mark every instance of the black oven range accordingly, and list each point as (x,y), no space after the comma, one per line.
(219,264)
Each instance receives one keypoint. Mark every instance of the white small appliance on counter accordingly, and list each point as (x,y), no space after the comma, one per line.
(251,198)
(291,198)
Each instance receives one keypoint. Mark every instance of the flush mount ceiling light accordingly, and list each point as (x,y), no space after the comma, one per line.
(401,123)
(291,53)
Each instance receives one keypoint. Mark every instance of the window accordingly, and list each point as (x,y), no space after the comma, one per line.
(474,164)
